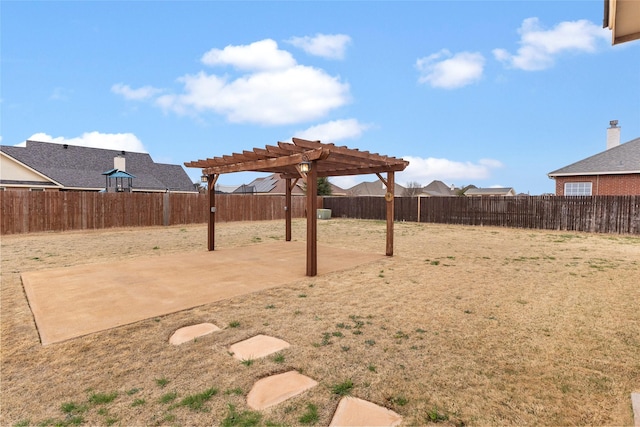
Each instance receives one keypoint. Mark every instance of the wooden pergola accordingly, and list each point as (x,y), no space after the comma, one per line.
(291,161)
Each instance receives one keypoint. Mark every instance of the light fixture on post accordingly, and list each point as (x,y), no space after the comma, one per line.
(305,164)
(204,178)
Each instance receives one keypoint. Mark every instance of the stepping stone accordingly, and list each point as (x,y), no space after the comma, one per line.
(188,333)
(257,347)
(357,412)
(275,389)
(635,404)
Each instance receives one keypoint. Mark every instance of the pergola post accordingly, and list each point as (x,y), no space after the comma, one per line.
(287,210)
(390,210)
(312,220)
(211,229)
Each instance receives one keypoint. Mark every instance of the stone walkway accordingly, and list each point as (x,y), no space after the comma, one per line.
(276,389)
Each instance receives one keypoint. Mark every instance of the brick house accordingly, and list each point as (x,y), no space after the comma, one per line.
(613,172)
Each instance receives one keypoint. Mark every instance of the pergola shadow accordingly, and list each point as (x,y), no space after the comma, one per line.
(306,160)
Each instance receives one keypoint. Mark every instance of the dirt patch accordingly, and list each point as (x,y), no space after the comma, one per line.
(463,325)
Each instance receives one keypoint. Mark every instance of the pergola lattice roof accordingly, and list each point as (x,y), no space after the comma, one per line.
(285,157)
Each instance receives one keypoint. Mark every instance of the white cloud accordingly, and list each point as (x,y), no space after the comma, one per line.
(274,91)
(261,55)
(539,47)
(448,71)
(111,141)
(330,46)
(145,92)
(425,170)
(292,95)
(335,130)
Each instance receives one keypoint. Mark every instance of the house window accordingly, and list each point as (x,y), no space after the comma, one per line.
(577,189)
(36,189)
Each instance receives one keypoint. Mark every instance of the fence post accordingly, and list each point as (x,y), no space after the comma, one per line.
(166,209)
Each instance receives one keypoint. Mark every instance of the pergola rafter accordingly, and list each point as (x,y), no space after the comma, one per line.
(325,160)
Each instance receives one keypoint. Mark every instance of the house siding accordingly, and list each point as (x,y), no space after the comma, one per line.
(604,185)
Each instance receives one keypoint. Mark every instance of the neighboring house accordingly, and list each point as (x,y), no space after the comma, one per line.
(488,192)
(613,172)
(274,185)
(438,189)
(373,188)
(271,184)
(44,166)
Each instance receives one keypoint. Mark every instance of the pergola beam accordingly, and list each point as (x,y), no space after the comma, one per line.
(351,152)
(265,164)
(351,171)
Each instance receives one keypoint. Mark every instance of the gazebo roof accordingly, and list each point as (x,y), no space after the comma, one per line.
(117,173)
(285,158)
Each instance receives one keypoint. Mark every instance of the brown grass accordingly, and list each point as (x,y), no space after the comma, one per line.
(468,325)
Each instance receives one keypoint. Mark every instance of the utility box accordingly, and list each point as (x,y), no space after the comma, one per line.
(324,213)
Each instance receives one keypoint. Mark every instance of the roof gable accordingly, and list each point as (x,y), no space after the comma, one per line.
(17,172)
(622,159)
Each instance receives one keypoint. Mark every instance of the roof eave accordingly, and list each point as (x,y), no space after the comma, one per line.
(553,174)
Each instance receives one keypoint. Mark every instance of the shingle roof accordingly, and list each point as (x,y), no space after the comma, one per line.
(437,188)
(373,188)
(82,167)
(625,158)
(274,184)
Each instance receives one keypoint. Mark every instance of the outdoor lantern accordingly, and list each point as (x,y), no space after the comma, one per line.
(204,178)
(305,165)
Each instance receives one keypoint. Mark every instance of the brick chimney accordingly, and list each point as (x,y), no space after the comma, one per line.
(613,134)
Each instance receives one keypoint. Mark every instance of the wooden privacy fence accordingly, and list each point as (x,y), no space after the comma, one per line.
(599,214)
(30,211)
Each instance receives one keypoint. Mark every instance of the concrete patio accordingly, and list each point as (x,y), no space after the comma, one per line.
(74,301)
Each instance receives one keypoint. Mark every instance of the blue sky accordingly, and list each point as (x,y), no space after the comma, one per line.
(490,93)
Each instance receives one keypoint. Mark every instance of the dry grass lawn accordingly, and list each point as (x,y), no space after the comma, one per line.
(463,326)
